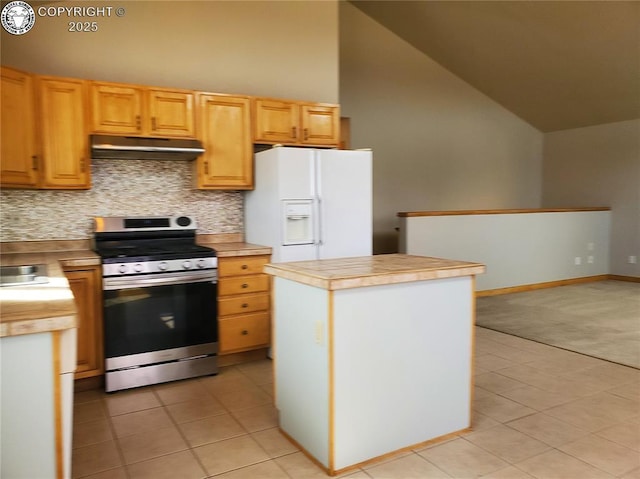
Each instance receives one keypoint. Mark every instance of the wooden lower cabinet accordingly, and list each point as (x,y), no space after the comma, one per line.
(86,286)
(243,304)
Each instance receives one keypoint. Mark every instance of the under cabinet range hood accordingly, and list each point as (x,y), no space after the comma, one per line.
(141,148)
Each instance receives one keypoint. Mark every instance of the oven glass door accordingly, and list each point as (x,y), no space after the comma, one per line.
(154,318)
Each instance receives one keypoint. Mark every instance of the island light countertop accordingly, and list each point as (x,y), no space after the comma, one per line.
(357,272)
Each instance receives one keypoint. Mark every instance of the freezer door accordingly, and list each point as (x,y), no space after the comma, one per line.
(344,188)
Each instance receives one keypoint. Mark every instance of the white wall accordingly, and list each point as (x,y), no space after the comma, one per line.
(438,143)
(524,248)
(599,166)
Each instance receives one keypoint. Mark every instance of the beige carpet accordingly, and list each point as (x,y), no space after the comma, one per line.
(600,319)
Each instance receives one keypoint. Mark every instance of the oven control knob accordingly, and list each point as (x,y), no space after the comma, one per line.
(163,266)
(122,268)
(137,267)
(201,263)
(187,265)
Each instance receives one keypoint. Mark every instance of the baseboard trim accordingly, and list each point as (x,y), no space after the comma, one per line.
(631,279)
(548,284)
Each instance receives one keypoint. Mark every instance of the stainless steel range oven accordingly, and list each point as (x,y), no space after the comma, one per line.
(160,300)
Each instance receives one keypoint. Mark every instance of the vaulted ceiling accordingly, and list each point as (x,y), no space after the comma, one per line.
(556,64)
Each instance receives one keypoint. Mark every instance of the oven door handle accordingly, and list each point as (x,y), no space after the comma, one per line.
(166,279)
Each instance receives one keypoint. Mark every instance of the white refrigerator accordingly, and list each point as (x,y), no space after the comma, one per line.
(311,203)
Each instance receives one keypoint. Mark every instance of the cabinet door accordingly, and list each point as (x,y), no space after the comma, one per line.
(171,113)
(276,121)
(19,160)
(87,292)
(116,108)
(223,126)
(320,125)
(65,148)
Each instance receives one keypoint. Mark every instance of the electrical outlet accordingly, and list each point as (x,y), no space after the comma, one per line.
(633,259)
(590,259)
(577,260)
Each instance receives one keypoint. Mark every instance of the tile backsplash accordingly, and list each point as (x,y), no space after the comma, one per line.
(119,188)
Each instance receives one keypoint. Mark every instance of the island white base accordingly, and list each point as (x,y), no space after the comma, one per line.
(363,372)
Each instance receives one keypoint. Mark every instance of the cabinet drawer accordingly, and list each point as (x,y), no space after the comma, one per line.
(242,265)
(246,303)
(243,284)
(244,332)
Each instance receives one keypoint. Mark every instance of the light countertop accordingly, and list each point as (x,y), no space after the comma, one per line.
(345,273)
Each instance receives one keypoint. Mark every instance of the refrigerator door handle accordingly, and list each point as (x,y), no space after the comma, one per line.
(317,214)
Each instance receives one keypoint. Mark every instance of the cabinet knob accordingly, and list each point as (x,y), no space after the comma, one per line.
(34,164)
(138,124)
(153,123)
(245,285)
(245,305)
(294,132)
(244,332)
(244,266)
(306,133)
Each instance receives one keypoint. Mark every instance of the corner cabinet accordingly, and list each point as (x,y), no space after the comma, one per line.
(243,304)
(65,162)
(296,123)
(224,130)
(19,166)
(85,283)
(118,108)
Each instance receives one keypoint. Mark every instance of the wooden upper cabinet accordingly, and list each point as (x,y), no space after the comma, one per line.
(171,113)
(296,123)
(276,121)
(320,125)
(62,113)
(224,130)
(118,108)
(19,164)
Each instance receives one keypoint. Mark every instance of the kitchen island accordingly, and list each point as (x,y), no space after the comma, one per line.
(372,354)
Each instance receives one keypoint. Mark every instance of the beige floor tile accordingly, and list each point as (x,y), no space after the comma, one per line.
(195,409)
(510,472)
(489,362)
(460,458)
(360,474)
(538,399)
(500,440)
(534,377)
(603,454)
(123,402)
(635,474)
(183,465)
(480,422)
(243,398)
(263,470)
(95,458)
(229,379)
(92,432)
(88,412)
(595,412)
(150,444)
(211,429)
(274,443)
(547,429)
(407,467)
(88,396)
(555,464)
(628,390)
(516,355)
(298,465)
(118,473)
(224,456)
(496,383)
(501,409)
(626,434)
(260,372)
(172,393)
(564,364)
(606,375)
(141,421)
(257,418)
